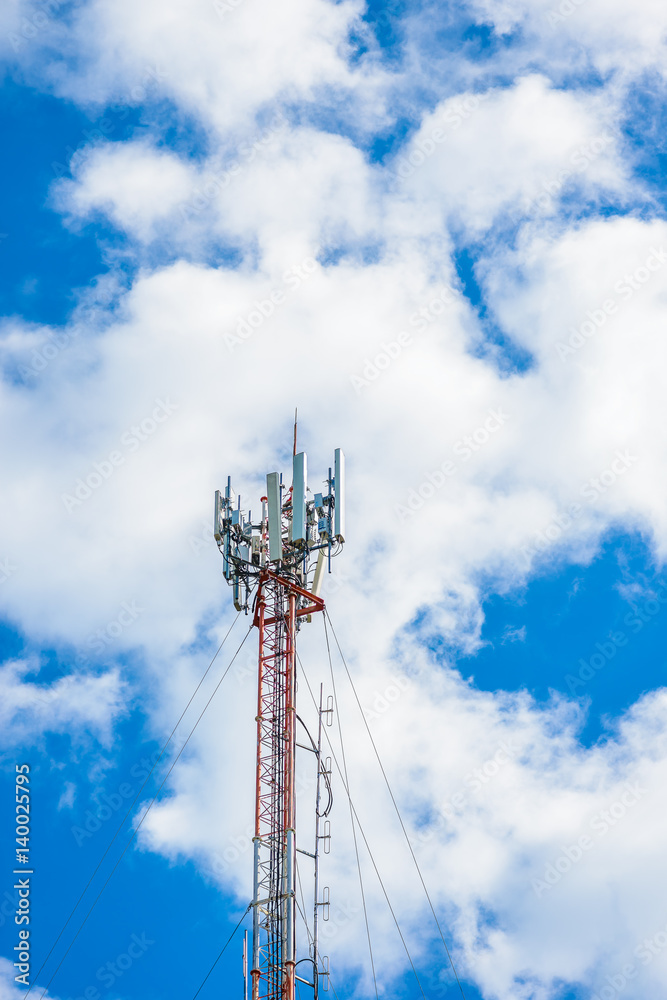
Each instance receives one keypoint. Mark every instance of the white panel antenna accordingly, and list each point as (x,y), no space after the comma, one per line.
(217,517)
(339,486)
(275,516)
(299,486)
(294,534)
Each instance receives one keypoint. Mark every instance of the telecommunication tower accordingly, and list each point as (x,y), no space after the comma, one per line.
(279,560)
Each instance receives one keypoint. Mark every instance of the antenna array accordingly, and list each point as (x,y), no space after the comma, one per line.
(283,554)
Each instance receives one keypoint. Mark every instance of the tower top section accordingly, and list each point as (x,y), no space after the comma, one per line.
(296,536)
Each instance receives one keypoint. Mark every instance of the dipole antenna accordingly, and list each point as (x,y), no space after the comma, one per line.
(282,554)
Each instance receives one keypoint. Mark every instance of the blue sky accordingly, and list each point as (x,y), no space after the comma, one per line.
(459,209)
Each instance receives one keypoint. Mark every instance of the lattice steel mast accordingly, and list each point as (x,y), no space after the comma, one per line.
(283,555)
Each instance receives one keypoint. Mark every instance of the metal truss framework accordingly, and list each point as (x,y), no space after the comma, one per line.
(280,602)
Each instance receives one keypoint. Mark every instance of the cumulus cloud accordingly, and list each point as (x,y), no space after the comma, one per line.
(208,57)
(520,148)
(74,704)
(9,990)
(129,488)
(610,36)
(304,273)
(518,831)
(136,185)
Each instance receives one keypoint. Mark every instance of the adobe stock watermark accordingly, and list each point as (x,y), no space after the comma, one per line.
(580,160)
(646,951)
(637,619)
(7,569)
(565,9)
(466,963)
(34,23)
(473,783)
(390,351)
(387,16)
(239,845)
(204,540)
(235,848)
(8,907)
(591,491)
(600,825)
(626,287)
(130,441)
(332,584)
(109,973)
(105,636)
(604,652)
(97,642)
(103,128)
(263,309)
(335,918)
(464,449)
(215,183)
(41,357)
(458,111)
(105,805)
(225,7)
(383,700)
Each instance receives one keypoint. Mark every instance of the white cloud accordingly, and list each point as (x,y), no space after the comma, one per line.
(136,185)
(605,33)
(520,833)
(9,990)
(514,634)
(287,189)
(517,149)
(74,704)
(16,28)
(66,800)
(521,448)
(211,61)
(456,470)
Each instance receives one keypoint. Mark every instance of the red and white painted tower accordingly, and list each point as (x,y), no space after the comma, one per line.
(279,562)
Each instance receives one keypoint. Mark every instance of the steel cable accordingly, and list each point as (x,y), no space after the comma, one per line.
(146,811)
(361,830)
(354,832)
(222,951)
(131,807)
(393,799)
